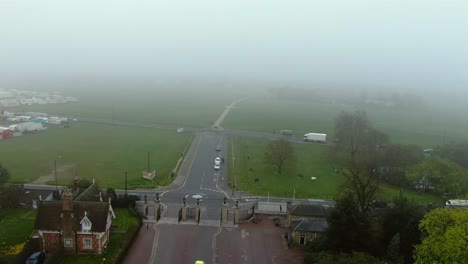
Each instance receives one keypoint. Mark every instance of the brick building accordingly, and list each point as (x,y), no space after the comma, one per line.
(81,227)
(306,222)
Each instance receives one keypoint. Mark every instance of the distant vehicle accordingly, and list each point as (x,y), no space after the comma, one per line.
(217,166)
(458,203)
(427,151)
(286,132)
(54,120)
(218,148)
(36,258)
(30,127)
(315,137)
(217,160)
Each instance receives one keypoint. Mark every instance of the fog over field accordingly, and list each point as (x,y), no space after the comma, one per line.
(399,46)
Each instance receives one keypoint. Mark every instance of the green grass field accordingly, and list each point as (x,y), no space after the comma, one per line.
(312,161)
(182,109)
(124,219)
(102,152)
(389,193)
(426,127)
(16,227)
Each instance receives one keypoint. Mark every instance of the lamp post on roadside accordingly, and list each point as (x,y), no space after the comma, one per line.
(55,173)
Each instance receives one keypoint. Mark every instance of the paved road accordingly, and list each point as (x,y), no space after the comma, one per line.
(220,119)
(187,242)
(202,179)
(183,244)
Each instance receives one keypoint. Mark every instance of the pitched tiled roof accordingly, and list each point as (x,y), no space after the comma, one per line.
(91,194)
(309,210)
(49,215)
(309,225)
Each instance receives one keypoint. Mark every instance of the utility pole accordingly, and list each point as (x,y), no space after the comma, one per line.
(55,172)
(148,162)
(125,184)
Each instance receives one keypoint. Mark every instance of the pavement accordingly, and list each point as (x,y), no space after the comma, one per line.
(259,243)
(141,249)
(250,243)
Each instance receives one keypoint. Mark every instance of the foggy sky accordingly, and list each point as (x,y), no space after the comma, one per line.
(416,44)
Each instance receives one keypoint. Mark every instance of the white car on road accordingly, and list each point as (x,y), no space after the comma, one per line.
(217,161)
(217,166)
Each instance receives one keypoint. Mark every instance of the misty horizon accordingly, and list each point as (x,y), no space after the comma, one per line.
(401,46)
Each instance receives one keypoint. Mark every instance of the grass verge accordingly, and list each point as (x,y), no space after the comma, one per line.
(16,227)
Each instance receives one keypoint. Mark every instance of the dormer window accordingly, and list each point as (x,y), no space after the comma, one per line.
(86,224)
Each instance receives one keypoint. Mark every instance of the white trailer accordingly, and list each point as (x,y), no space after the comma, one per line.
(30,127)
(54,120)
(315,137)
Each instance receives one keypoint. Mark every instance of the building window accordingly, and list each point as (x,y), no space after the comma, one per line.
(87,243)
(67,243)
(86,225)
(302,239)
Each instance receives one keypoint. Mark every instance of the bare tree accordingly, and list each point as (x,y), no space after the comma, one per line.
(357,148)
(280,154)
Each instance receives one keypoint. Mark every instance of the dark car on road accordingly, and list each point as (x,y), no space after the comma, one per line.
(36,258)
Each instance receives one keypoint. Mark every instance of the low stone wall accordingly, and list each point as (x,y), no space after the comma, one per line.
(270,208)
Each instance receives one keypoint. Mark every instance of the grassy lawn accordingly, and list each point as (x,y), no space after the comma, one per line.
(389,192)
(16,227)
(102,152)
(427,127)
(312,161)
(118,242)
(124,219)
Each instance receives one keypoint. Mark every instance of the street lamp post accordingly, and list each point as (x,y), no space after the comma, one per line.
(55,173)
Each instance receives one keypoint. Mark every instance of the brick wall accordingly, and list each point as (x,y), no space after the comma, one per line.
(51,241)
(81,246)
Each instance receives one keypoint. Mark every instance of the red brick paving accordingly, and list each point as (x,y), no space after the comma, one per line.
(249,243)
(140,251)
(255,243)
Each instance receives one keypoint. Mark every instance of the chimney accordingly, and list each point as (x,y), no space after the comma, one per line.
(67,201)
(76,180)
